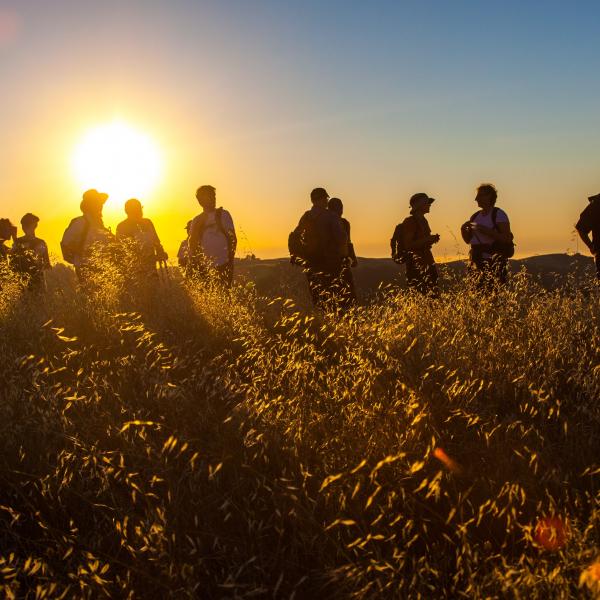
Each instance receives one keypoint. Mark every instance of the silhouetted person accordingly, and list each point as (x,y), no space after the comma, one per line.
(349,262)
(212,242)
(86,233)
(589,222)
(7,232)
(30,254)
(412,243)
(319,244)
(140,233)
(488,232)
(182,253)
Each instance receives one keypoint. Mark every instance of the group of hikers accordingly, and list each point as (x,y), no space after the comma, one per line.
(321,244)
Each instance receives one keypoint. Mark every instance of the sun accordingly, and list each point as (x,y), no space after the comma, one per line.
(118,159)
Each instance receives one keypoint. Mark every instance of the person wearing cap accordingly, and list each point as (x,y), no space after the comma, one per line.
(349,262)
(589,222)
(212,240)
(140,234)
(29,254)
(86,233)
(182,253)
(7,232)
(417,241)
(319,244)
(491,240)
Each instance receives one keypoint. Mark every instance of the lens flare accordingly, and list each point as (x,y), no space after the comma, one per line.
(551,533)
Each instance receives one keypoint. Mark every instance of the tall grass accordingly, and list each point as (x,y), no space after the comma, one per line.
(171,440)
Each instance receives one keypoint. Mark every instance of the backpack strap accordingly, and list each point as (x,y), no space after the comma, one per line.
(84,235)
(495,217)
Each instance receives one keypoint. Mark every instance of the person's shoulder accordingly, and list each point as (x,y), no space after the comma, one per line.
(501,216)
(409,221)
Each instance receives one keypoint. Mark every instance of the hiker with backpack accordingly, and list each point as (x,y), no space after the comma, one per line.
(86,234)
(319,244)
(488,232)
(139,234)
(411,245)
(349,262)
(589,222)
(212,240)
(29,255)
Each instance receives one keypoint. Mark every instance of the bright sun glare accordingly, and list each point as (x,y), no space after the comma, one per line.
(117,159)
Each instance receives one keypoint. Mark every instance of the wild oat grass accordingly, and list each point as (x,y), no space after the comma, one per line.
(173,441)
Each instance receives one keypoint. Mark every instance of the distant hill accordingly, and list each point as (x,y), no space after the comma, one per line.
(277,277)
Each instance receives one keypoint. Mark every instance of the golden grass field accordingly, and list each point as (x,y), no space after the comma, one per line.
(174,441)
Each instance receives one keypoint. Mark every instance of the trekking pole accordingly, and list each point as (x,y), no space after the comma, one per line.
(163,267)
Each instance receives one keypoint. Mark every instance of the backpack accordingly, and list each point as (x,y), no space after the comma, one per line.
(400,254)
(229,235)
(506,249)
(70,253)
(304,243)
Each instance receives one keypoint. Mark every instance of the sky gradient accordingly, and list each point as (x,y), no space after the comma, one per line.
(266,100)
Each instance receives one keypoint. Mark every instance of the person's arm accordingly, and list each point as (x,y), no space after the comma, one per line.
(159,251)
(584,227)
(230,231)
(351,252)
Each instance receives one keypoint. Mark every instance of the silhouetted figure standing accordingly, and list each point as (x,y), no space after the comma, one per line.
(140,233)
(349,262)
(85,234)
(319,244)
(411,244)
(589,222)
(7,232)
(212,242)
(30,255)
(488,232)
(182,253)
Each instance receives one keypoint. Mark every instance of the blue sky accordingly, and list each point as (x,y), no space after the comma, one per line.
(267,99)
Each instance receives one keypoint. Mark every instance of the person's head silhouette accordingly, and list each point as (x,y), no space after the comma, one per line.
(335,205)
(29,223)
(486,196)
(319,197)
(92,203)
(207,197)
(420,203)
(134,209)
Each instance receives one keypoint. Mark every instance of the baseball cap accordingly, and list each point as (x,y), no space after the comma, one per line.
(94,196)
(420,199)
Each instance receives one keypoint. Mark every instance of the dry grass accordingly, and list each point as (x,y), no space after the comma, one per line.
(180,442)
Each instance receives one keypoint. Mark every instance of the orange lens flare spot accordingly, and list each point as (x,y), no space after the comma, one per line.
(448,462)
(551,533)
(590,577)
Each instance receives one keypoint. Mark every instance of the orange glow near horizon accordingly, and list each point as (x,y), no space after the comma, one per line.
(118,159)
